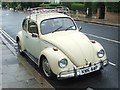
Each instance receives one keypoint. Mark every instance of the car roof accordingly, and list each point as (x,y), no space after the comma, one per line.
(45,15)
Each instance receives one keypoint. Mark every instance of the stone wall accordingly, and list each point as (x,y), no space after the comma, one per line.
(110,16)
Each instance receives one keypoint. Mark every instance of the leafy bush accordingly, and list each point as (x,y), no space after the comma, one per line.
(94,7)
(113,6)
(77,6)
(54,4)
(19,7)
(67,4)
(44,5)
(51,4)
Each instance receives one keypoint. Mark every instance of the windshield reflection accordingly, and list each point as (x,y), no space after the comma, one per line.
(57,24)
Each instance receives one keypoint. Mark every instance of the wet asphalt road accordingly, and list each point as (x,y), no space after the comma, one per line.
(108,78)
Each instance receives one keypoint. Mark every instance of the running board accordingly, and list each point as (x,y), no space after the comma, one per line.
(35,60)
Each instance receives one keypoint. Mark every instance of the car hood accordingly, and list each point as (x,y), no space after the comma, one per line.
(74,44)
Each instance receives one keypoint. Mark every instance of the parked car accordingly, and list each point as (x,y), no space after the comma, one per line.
(54,42)
(62,9)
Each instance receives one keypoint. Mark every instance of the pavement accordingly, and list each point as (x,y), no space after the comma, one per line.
(15,72)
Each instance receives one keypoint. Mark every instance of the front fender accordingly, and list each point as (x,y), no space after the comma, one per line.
(97,46)
(53,57)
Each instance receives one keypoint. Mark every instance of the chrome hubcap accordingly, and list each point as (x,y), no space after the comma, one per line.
(46,68)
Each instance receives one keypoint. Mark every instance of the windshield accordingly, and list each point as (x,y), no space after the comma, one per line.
(57,24)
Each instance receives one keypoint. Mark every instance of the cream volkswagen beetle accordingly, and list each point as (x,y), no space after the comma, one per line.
(54,42)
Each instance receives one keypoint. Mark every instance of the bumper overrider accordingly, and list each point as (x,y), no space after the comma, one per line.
(78,71)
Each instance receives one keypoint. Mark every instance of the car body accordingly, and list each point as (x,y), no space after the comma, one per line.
(55,44)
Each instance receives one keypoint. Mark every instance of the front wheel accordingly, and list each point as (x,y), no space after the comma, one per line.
(46,68)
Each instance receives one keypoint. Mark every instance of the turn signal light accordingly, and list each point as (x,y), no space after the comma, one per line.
(55,49)
(93,41)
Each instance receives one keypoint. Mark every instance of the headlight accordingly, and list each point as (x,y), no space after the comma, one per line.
(100,53)
(62,63)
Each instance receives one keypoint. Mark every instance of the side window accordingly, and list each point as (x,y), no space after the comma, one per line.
(32,27)
(24,25)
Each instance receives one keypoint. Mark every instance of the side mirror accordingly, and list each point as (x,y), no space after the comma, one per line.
(34,35)
(80,28)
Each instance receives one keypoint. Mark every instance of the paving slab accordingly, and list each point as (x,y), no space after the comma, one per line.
(22,84)
(9,59)
(16,76)
(5,52)
(3,48)
(6,79)
(13,68)
(0,79)
(0,63)
(13,74)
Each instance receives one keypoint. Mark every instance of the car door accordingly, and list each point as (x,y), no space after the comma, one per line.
(24,31)
(32,39)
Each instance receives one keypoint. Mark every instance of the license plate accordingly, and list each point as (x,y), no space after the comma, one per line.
(90,69)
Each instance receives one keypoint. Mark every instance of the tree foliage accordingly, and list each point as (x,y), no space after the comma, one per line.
(81,6)
(94,7)
(77,6)
(113,6)
(67,4)
(88,5)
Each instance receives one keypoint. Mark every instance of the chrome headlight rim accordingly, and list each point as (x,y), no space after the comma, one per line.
(101,53)
(63,62)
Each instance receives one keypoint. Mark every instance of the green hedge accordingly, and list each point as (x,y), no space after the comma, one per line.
(113,6)
(44,5)
(77,6)
(94,7)
(51,4)
(55,4)
(19,6)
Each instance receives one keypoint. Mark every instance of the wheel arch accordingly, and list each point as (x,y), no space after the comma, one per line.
(40,61)
(19,37)
(53,57)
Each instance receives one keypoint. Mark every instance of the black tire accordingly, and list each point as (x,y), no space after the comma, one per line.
(46,69)
(19,48)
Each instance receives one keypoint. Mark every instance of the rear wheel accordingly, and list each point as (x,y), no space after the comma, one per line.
(46,68)
(19,47)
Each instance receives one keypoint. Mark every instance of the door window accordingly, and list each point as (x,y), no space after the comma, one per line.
(32,27)
(24,25)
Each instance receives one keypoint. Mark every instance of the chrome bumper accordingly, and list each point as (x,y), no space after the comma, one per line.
(76,71)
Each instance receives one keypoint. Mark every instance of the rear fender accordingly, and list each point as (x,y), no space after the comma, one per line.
(19,37)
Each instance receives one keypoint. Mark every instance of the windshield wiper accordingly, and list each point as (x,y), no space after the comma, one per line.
(57,29)
(68,27)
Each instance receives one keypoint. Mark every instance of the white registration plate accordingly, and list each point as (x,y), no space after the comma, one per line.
(90,69)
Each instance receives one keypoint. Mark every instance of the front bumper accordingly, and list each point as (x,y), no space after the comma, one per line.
(78,71)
